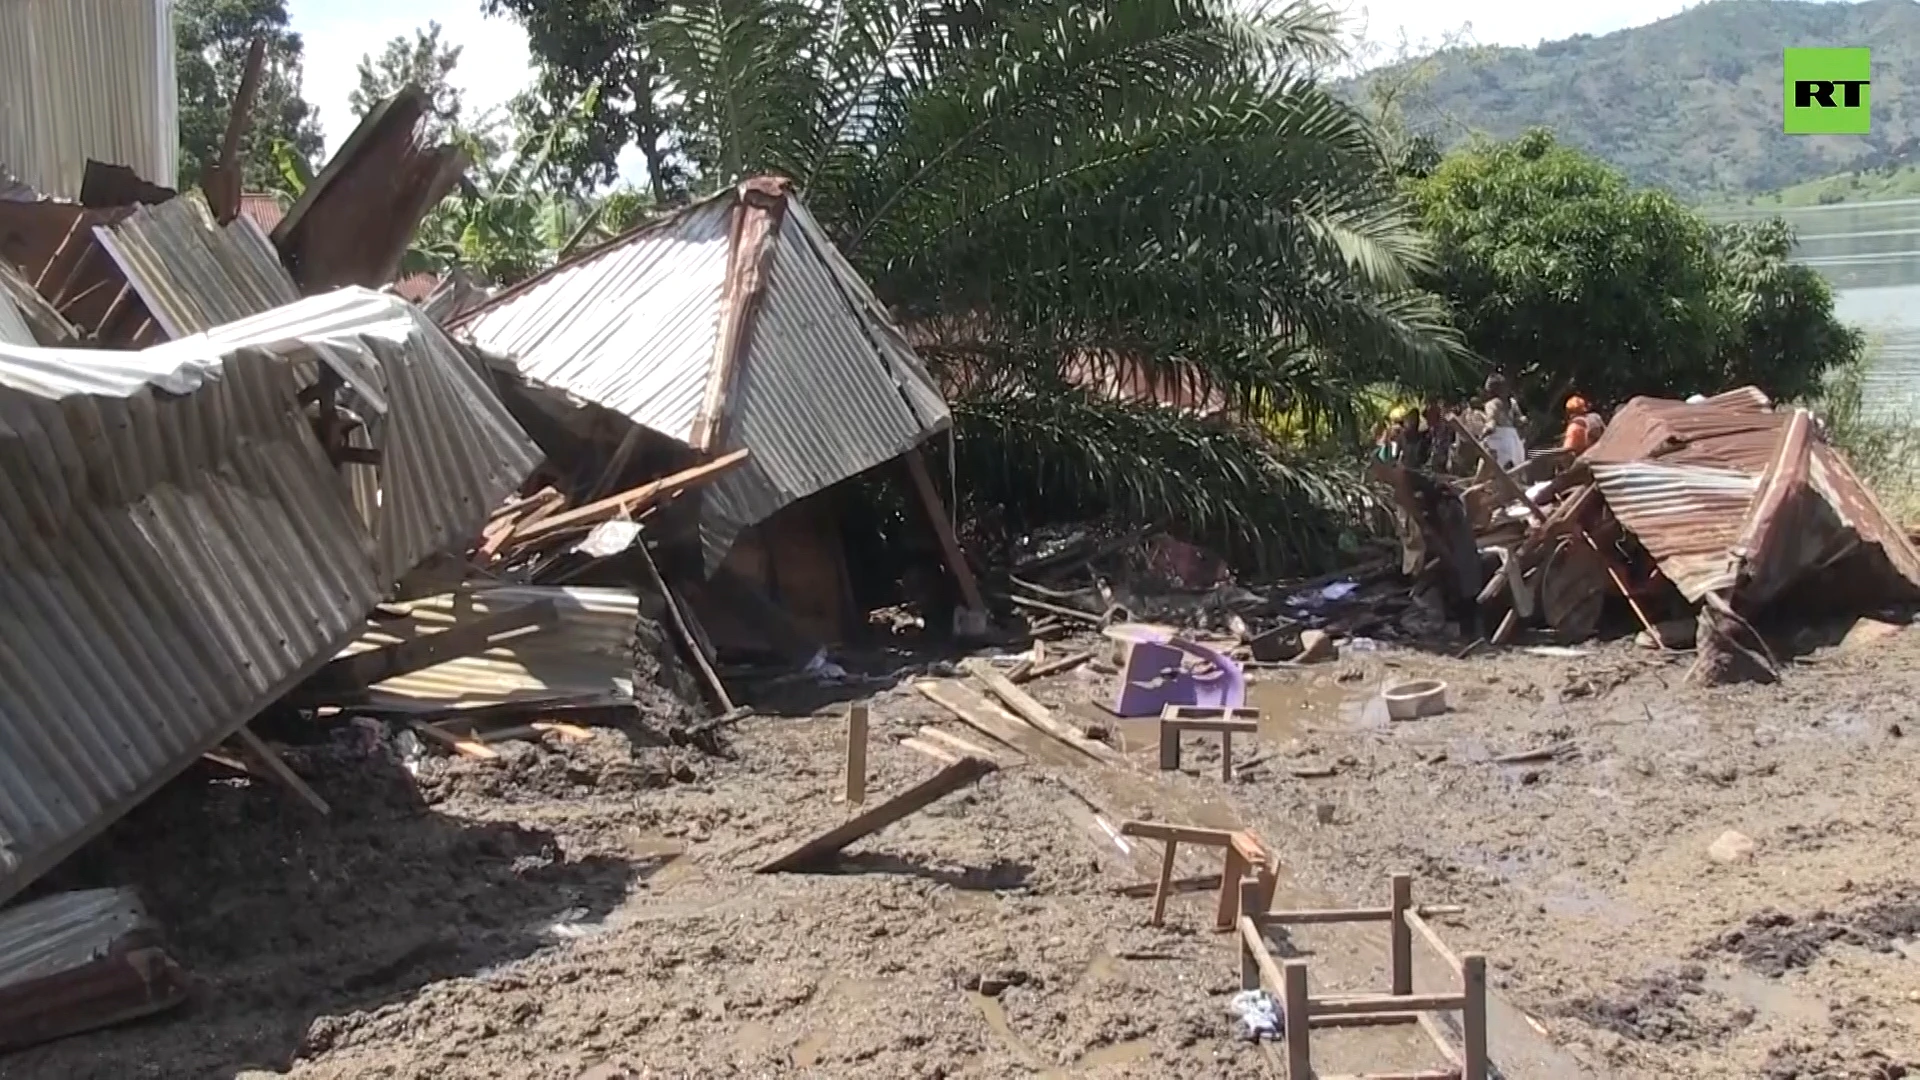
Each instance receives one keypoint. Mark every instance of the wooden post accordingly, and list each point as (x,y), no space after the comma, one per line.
(1226,757)
(857,754)
(1250,898)
(943,531)
(1230,877)
(1473,1018)
(1401,934)
(1249,967)
(1165,884)
(1299,1020)
(1169,747)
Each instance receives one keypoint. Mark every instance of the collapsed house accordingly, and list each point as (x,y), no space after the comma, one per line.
(733,323)
(1723,509)
(180,544)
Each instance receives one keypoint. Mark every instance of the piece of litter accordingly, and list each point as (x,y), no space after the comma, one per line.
(1260,1016)
(609,538)
(1561,651)
(1361,644)
(824,669)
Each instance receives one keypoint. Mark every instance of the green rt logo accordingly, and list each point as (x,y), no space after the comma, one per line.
(1826,92)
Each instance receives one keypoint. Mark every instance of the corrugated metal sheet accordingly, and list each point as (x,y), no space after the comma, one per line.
(86,79)
(1686,516)
(192,273)
(41,322)
(820,393)
(63,931)
(176,551)
(632,325)
(587,653)
(13,325)
(824,385)
(1684,480)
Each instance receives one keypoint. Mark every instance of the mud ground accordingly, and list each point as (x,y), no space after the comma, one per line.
(589,909)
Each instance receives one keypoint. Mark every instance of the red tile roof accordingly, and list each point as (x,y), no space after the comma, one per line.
(416,287)
(264,207)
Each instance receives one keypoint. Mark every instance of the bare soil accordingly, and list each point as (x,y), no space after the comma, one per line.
(590,909)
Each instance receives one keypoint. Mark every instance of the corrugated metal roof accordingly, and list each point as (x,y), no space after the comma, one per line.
(192,273)
(176,550)
(32,311)
(632,325)
(87,79)
(1686,516)
(586,653)
(1684,479)
(823,384)
(264,208)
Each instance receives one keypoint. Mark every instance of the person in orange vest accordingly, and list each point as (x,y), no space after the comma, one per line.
(1584,426)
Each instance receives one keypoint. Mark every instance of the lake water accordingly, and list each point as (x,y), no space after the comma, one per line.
(1871,255)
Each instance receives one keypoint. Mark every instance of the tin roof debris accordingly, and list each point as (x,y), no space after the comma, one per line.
(732,323)
(182,548)
(77,961)
(87,81)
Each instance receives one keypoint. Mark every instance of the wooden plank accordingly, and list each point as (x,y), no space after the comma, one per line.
(941,784)
(857,754)
(1198,883)
(1379,1003)
(465,747)
(277,768)
(707,675)
(1399,934)
(569,732)
(943,531)
(1474,1064)
(964,747)
(1185,834)
(1164,886)
(1052,667)
(975,711)
(1296,1006)
(1197,723)
(1039,715)
(634,499)
(352,675)
(1312,916)
(1415,922)
(938,753)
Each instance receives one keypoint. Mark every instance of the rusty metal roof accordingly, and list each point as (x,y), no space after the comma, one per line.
(177,551)
(83,79)
(265,208)
(1692,483)
(732,323)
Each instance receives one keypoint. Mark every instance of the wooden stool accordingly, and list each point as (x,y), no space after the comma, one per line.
(1244,854)
(1176,720)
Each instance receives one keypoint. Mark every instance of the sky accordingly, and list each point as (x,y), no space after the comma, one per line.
(494,64)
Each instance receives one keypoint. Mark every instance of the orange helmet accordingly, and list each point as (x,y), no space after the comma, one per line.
(1576,404)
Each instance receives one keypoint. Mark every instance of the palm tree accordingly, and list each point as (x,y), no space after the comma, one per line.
(1056,194)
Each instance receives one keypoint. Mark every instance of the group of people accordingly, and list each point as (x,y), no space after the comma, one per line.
(1426,439)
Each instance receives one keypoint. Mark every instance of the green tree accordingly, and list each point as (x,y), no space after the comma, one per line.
(1053,192)
(423,62)
(1566,279)
(1777,328)
(211,39)
(1569,280)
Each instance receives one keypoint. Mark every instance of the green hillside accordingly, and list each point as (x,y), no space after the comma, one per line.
(1692,102)
(1872,185)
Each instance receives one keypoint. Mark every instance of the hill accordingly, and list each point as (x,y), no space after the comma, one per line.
(1868,186)
(1692,102)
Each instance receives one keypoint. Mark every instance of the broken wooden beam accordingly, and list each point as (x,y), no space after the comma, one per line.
(936,510)
(278,769)
(918,797)
(962,747)
(465,747)
(633,499)
(976,712)
(1039,715)
(856,792)
(1052,667)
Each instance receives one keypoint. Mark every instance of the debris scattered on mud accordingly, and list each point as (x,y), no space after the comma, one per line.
(1774,942)
(1654,1009)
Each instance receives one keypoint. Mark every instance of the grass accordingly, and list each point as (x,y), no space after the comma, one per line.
(1885,455)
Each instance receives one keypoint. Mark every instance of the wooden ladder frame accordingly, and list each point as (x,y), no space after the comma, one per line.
(1258,970)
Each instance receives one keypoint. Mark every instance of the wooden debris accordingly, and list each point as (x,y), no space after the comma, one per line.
(1176,720)
(1544,753)
(569,732)
(633,500)
(941,784)
(1053,667)
(976,712)
(856,792)
(964,747)
(1196,883)
(269,760)
(938,753)
(685,633)
(1038,715)
(956,559)
(465,747)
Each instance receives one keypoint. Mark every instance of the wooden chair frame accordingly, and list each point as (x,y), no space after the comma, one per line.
(1303,1012)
